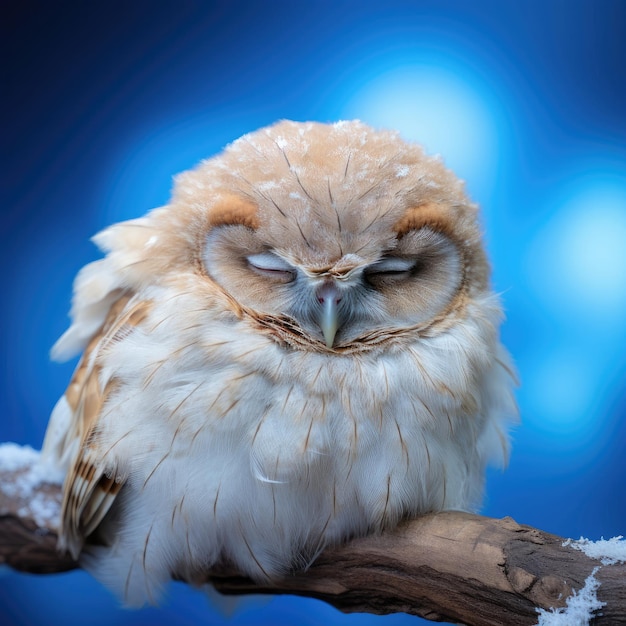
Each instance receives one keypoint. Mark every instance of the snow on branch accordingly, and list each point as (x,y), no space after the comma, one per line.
(449,566)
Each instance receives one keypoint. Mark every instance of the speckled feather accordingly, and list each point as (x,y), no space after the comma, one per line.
(300,348)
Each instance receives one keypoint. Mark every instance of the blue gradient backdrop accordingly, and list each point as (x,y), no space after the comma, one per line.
(105,102)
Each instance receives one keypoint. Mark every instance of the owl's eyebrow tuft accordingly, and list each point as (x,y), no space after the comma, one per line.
(438,217)
(233,210)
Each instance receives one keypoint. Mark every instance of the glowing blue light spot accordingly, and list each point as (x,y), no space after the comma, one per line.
(592,254)
(578,263)
(438,108)
(576,273)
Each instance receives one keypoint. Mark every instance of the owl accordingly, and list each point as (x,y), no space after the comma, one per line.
(300,348)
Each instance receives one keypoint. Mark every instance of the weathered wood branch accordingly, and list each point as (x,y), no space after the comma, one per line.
(448,566)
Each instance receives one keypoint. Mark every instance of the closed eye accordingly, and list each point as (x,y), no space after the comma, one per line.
(390,270)
(391,265)
(272,266)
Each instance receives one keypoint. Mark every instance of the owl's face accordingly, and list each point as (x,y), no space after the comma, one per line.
(335,299)
(346,231)
(343,229)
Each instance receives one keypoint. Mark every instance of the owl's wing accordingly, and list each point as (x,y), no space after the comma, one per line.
(92,484)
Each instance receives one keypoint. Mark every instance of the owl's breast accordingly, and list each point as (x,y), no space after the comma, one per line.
(288,449)
(230,392)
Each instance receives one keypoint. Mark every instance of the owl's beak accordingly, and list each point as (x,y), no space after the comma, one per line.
(329,296)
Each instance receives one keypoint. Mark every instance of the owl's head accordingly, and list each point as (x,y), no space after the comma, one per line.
(342,234)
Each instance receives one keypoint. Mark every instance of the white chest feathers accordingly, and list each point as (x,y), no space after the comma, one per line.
(235,448)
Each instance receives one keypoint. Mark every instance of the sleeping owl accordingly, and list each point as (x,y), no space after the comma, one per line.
(300,348)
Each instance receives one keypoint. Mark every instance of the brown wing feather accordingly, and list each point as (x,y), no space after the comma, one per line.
(92,485)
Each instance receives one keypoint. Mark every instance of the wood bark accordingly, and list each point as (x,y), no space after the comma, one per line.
(450,566)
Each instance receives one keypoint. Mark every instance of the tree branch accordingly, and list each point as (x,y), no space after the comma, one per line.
(449,566)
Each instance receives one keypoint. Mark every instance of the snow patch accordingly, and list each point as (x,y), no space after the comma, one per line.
(608,551)
(14,457)
(580,606)
(29,474)
(43,509)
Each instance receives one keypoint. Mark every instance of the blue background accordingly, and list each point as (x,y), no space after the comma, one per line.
(526,101)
